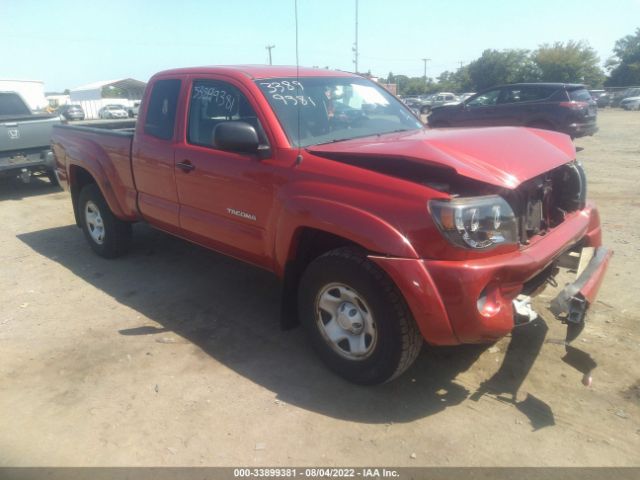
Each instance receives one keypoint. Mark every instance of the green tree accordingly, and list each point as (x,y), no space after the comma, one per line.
(447,81)
(624,66)
(401,81)
(458,81)
(570,62)
(496,67)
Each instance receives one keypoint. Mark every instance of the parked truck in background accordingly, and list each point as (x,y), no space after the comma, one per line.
(25,139)
(384,233)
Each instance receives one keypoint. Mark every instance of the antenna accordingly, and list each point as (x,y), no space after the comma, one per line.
(355,45)
(299,157)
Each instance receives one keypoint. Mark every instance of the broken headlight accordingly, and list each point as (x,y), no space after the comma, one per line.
(476,222)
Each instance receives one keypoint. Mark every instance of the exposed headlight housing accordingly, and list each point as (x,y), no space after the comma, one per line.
(476,222)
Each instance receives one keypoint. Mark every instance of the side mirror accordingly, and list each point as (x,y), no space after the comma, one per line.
(236,137)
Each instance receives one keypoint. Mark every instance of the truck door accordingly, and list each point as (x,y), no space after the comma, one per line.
(152,157)
(225,197)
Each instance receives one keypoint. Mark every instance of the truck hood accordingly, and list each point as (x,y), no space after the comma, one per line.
(501,156)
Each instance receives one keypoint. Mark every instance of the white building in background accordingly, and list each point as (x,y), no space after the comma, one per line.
(31,90)
(94,96)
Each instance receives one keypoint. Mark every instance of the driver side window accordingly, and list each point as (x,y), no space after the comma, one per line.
(486,99)
(213,102)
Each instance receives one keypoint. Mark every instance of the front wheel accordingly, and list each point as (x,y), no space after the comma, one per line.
(356,319)
(107,235)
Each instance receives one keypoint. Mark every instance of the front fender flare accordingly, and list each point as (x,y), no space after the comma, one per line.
(362,227)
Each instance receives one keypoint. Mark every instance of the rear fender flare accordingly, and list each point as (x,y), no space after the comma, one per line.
(101,177)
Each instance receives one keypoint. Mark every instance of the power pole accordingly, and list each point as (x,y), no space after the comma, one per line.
(425,60)
(269,47)
(355,45)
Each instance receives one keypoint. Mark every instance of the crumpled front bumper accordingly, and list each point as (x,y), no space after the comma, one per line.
(572,302)
(471,301)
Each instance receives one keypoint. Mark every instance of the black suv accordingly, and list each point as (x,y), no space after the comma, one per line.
(564,107)
(71,112)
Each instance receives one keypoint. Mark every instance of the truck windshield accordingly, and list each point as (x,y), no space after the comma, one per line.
(12,104)
(314,110)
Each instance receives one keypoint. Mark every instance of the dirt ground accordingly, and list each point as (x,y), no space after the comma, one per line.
(173,356)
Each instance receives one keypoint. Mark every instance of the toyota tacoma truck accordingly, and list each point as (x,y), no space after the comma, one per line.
(25,139)
(385,234)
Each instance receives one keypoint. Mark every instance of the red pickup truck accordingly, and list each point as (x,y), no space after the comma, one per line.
(386,234)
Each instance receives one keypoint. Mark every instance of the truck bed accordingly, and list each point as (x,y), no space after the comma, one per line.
(104,148)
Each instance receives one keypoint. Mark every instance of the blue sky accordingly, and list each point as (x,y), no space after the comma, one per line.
(68,43)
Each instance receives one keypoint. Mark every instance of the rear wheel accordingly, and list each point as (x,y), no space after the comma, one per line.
(356,319)
(108,236)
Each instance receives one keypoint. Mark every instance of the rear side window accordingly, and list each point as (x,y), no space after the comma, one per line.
(580,95)
(11,104)
(161,111)
(526,93)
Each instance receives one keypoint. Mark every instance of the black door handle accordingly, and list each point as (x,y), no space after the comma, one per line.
(185,166)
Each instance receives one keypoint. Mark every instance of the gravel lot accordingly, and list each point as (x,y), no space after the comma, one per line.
(173,356)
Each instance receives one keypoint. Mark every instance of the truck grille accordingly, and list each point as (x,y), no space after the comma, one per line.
(543,202)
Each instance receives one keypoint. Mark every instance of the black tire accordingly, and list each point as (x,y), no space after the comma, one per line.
(117,234)
(398,340)
(51,175)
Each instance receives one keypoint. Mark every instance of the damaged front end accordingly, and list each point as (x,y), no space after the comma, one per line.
(541,204)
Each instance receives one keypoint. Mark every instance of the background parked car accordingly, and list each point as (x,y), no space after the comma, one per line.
(71,112)
(602,98)
(133,111)
(113,111)
(566,108)
(443,98)
(25,139)
(420,105)
(618,97)
(631,103)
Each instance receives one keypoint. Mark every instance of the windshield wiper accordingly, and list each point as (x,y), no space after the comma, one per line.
(338,140)
(396,131)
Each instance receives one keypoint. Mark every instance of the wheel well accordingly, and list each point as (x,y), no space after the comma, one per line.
(309,244)
(78,179)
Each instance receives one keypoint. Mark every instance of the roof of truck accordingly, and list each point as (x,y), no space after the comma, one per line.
(259,71)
